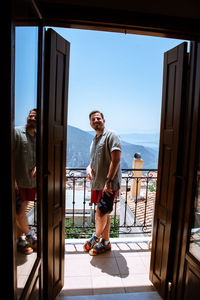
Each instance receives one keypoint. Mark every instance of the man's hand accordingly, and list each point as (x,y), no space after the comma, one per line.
(16,186)
(89,173)
(33,173)
(108,188)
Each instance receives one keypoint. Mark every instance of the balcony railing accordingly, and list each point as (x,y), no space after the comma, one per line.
(132,212)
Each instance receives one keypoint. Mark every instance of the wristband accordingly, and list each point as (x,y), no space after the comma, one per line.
(108,180)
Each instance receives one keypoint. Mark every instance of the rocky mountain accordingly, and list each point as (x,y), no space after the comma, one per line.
(78,147)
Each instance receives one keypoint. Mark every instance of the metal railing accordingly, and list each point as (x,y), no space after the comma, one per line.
(132,212)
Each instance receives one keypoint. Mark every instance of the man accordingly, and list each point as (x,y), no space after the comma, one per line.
(105,176)
(25,183)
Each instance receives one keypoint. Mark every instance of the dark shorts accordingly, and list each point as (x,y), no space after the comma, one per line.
(27,194)
(104,202)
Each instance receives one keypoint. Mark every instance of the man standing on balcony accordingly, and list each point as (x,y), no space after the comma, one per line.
(105,176)
(25,183)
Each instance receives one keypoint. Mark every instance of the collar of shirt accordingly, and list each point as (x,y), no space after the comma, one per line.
(103,133)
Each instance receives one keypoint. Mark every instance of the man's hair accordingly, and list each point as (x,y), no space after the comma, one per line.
(94,112)
(34,109)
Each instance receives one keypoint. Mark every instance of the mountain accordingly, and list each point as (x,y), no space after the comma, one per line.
(78,147)
(78,150)
(145,139)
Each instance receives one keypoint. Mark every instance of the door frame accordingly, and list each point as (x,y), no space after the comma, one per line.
(8,118)
(36,275)
(186,261)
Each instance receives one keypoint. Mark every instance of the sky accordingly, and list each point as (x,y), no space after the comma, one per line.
(118,74)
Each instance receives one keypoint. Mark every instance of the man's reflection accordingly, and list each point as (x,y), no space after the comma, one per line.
(25,183)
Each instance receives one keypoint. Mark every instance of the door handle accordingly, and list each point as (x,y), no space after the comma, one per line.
(46,174)
(180,177)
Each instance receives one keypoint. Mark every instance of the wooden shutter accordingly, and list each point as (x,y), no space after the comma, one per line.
(55,128)
(169,166)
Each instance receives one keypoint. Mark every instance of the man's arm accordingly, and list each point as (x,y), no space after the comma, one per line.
(114,165)
(89,173)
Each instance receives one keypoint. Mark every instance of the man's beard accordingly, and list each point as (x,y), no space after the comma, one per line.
(31,125)
(98,127)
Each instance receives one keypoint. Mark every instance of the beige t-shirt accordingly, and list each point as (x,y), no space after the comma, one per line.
(25,157)
(100,153)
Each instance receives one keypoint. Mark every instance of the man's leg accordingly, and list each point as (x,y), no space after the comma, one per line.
(102,228)
(102,223)
(22,221)
(22,227)
(106,232)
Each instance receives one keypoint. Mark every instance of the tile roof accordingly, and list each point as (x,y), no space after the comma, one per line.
(142,208)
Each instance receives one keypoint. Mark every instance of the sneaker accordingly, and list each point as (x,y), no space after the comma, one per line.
(90,243)
(32,240)
(24,247)
(100,248)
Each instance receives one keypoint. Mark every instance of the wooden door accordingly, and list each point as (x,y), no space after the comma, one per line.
(188,277)
(169,167)
(55,127)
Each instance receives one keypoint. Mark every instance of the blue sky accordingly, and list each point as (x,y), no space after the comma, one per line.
(119,74)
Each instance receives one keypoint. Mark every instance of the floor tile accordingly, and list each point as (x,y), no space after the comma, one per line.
(146,261)
(123,246)
(107,284)
(126,254)
(70,248)
(131,265)
(137,283)
(79,266)
(75,286)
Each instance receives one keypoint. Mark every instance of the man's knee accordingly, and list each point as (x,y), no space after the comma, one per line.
(99,214)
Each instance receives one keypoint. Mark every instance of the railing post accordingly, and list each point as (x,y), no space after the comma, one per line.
(136,184)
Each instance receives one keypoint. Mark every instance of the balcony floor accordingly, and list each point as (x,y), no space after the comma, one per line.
(123,270)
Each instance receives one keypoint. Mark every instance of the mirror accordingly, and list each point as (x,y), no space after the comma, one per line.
(26,58)
(195,230)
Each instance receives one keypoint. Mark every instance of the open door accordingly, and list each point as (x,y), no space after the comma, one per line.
(56,77)
(169,167)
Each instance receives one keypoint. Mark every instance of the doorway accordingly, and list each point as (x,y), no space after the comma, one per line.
(104,106)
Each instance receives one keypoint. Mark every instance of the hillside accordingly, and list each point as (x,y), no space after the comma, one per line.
(78,147)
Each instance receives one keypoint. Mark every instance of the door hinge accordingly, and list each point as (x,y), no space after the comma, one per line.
(169,290)
(169,287)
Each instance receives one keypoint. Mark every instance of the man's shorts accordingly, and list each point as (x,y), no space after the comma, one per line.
(96,195)
(27,194)
(104,202)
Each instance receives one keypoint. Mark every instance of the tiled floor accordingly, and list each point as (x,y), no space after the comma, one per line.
(123,270)
(128,296)
(24,267)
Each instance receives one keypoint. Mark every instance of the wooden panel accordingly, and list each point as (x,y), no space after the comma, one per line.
(57,259)
(164,182)
(57,198)
(159,249)
(60,79)
(192,283)
(169,118)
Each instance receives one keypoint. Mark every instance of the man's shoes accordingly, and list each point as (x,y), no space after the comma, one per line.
(32,240)
(90,243)
(24,247)
(100,247)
